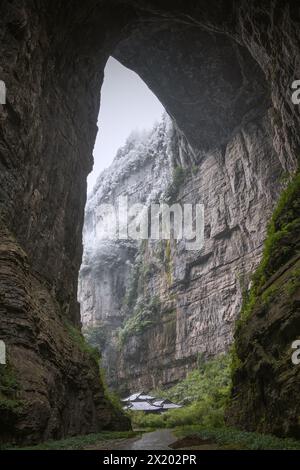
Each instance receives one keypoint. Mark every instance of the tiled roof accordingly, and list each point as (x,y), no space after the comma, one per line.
(145,398)
(158,402)
(133,397)
(171,406)
(142,402)
(143,406)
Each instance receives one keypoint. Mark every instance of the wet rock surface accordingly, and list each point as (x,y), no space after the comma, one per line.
(198,294)
(53,57)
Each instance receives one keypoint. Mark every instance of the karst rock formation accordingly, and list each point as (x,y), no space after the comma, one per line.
(223,71)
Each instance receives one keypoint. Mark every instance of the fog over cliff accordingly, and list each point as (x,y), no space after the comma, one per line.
(223,71)
(152,307)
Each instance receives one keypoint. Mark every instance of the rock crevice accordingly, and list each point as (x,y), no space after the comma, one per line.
(223,71)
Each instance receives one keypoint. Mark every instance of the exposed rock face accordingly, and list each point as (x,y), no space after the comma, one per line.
(51,385)
(52,60)
(264,376)
(47,132)
(140,172)
(198,294)
(265,379)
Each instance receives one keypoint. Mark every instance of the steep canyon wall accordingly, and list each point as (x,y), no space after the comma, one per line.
(223,71)
(197,294)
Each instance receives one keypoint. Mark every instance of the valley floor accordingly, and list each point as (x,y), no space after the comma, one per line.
(184,438)
(161,439)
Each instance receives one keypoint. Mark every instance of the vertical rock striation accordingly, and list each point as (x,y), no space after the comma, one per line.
(157,304)
(50,387)
(223,70)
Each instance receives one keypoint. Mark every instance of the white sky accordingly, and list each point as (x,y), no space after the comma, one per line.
(127,104)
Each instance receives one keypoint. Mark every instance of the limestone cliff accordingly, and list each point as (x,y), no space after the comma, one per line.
(141,172)
(50,386)
(156,305)
(223,70)
(264,376)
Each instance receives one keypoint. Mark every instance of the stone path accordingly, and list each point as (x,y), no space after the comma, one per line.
(156,440)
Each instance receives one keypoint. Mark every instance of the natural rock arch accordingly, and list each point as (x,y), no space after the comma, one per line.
(53,61)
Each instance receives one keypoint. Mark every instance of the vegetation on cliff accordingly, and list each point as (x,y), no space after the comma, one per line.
(95,355)
(9,388)
(267,327)
(96,336)
(143,316)
(179,177)
(78,338)
(281,244)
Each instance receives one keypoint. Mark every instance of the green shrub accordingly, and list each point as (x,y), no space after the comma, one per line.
(269,295)
(294,283)
(78,338)
(80,442)
(111,397)
(9,388)
(205,412)
(179,176)
(93,352)
(235,362)
(132,291)
(283,232)
(205,393)
(96,336)
(281,244)
(236,439)
(144,315)
(210,377)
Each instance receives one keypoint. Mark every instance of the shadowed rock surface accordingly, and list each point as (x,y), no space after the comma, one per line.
(52,60)
(153,307)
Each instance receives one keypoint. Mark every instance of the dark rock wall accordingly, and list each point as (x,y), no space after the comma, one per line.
(48,128)
(265,380)
(52,60)
(207,82)
(50,387)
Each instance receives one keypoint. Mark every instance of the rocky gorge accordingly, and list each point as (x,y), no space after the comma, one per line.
(153,306)
(223,71)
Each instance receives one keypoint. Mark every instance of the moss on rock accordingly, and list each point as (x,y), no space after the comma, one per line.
(264,395)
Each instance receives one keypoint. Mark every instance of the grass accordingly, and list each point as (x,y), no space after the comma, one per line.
(79,442)
(236,439)
(204,392)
